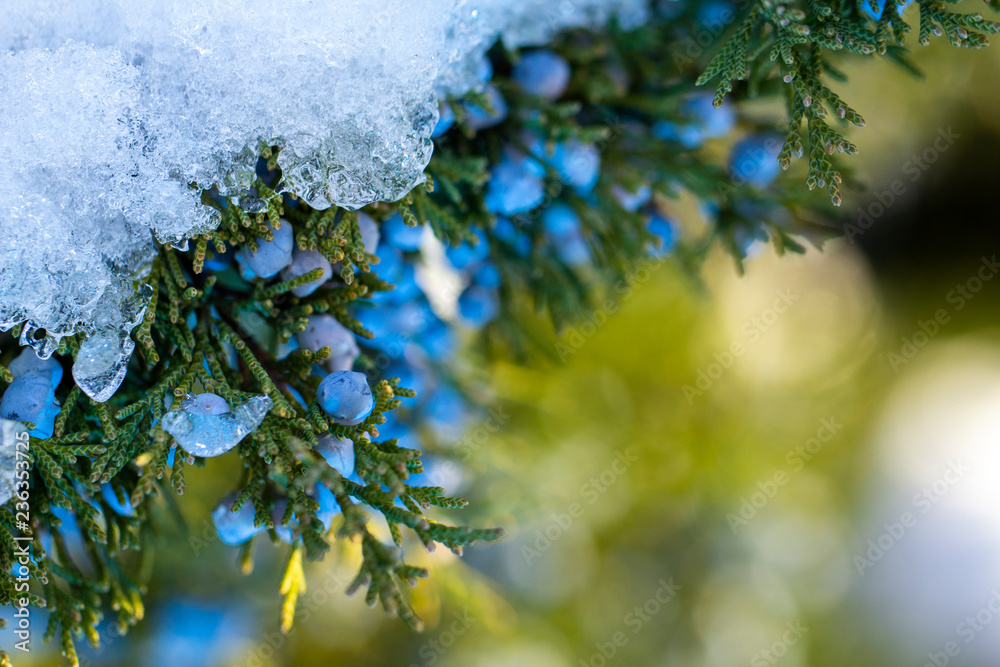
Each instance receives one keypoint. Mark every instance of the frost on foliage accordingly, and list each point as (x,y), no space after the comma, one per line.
(115,116)
(214,434)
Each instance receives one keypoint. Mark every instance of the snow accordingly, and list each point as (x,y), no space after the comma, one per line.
(115,115)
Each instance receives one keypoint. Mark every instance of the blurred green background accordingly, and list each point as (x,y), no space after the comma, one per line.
(827,495)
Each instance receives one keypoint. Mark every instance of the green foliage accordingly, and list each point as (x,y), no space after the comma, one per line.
(794,41)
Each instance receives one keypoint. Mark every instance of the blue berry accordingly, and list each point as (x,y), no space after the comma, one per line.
(484,69)
(578,164)
(478,306)
(272,256)
(217,261)
(505,230)
(111,498)
(704,122)
(397,326)
(45,427)
(283,531)
(665,232)
(487,275)
(715,14)
(866,8)
(438,340)
(369,232)
(479,119)
(28,361)
(346,397)
(304,261)
(394,268)
(324,330)
(400,235)
(338,452)
(328,505)
(246,273)
(563,227)
(561,220)
(31,398)
(235,528)
(689,136)
(467,254)
(631,201)
(446,118)
(670,9)
(542,73)
(410,376)
(754,160)
(714,123)
(515,186)
(446,413)
(572,249)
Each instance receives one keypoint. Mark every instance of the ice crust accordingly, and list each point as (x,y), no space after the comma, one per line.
(114,116)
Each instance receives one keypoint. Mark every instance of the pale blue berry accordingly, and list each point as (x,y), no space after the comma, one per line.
(304,261)
(664,231)
(338,452)
(484,69)
(754,160)
(369,232)
(283,531)
(446,118)
(328,505)
(111,498)
(716,14)
(487,275)
(400,235)
(438,340)
(478,306)
(466,254)
(542,73)
(560,220)
(272,256)
(578,164)
(31,398)
(563,227)
(505,230)
(479,119)
(702,121)
(235,528)
(866,8)
(324,330)
(631,201)
(515,185)
(346,397)
(29,361)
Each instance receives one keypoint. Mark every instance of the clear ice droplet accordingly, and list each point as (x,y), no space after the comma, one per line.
(101,364)
(211,435)
(252,204)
